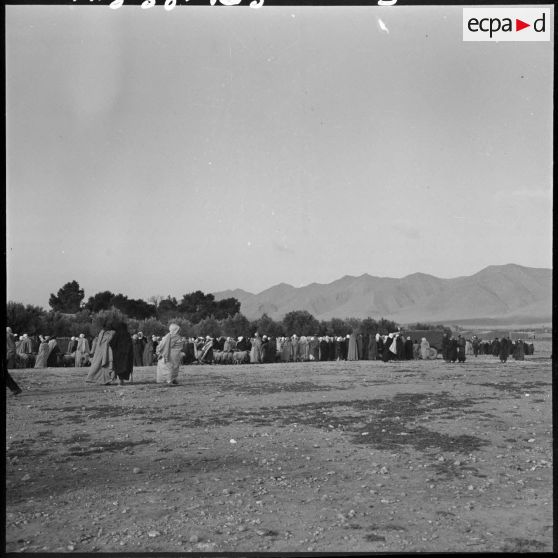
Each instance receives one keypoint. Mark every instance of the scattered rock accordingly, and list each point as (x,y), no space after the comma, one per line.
(194,539)
(136,470)
(153,534)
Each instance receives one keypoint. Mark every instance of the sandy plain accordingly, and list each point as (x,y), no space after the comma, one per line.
(303,457)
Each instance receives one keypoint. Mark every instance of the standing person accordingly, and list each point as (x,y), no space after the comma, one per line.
(256,351)
(416,349)
(519,350)
(496,347)
(400,347)
(11,384)
(122,352)
(373,351)
(169,354)
(24,351)
(445,347)
(72,345)
(461,344)
(424,349)
(82,351)
(314,348)
(101,370)
(352,352)
(286,350)
(304,349)
(148,352)
(53,352)
(10,349)
(504,349)
(295,348)
(138,350)
(42,354)
(387,353)
(452,350)
(476,345)
(324,349)
(408,349)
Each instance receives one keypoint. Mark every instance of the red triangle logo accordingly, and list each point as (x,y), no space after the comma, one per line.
(519,25)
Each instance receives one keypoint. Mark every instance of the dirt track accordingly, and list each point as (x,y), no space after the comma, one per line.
(324,457)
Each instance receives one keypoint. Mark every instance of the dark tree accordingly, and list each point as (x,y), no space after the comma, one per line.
(235,326)
(267,326)
(24,319)
(134,308)
(100,301)
(300,322)
(68,299)
(197,306)
(226,307)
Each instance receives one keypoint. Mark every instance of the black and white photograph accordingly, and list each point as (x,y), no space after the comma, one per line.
(278,277)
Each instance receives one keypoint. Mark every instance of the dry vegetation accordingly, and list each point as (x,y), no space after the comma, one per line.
(360,456)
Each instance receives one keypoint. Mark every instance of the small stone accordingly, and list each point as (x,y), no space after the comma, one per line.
(153,534)
(232,441)
(136,470)
(70,547)
(26,477)
(194,539)
(242,528)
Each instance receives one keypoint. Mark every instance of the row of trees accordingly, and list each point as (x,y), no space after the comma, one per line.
(196,313)
(33,320)
(193,307)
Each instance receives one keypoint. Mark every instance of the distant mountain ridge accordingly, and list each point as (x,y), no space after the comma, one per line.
(506,293)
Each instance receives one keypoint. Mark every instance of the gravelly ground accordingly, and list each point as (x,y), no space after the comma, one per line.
(324,457)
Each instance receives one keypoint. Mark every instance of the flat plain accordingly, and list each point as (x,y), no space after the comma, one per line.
(418,456)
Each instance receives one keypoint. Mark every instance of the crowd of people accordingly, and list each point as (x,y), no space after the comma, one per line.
(114,352)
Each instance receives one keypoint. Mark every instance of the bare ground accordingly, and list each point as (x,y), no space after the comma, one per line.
(324,457)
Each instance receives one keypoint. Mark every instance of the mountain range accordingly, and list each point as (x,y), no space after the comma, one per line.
(506,294)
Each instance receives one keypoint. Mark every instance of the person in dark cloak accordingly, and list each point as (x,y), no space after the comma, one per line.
(400,347)
(72,345)
(331,347)
(11,384)
(314,348)
(53,356)
(122,353)
(324,349)
(268,349)
(137,350)
(445,347)
(496,347)
(461,344)
(381,346)
(408,349)
(504,349)
(343,347)
(387,355)
(452,350)
(359,346)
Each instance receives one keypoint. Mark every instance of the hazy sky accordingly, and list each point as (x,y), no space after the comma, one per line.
(154,153)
